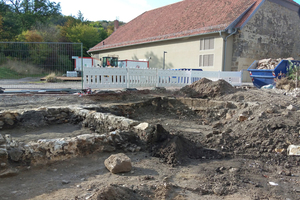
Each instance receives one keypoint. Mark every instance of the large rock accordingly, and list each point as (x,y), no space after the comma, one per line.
(15,154)
(118,163)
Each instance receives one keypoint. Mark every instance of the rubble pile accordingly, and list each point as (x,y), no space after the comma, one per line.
(270,63)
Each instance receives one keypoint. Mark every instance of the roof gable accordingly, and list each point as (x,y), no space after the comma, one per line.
(182,19)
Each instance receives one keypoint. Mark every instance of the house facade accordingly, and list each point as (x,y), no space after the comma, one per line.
(212,35)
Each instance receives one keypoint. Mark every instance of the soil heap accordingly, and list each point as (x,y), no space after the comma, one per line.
(206,88)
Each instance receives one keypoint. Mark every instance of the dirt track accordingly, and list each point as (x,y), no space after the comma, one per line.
(226,147)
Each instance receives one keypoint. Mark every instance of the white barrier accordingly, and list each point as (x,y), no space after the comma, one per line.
(99,78)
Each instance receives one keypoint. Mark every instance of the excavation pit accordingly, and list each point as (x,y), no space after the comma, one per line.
(181,148)
(48,134)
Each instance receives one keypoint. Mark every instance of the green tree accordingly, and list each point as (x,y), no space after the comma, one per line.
(30,12)
(102,34)
(80,16)
(49,32)
(1,22)
(30,36)
(10,23)
(83,33)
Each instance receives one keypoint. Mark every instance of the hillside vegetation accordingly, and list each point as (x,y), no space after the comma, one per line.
(42,21)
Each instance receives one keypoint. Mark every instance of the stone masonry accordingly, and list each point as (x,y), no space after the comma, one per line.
(111,133)
(273,32)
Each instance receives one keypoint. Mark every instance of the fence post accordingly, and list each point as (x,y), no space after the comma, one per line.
(157,78)
(127,78)
(296,79)
(81,46)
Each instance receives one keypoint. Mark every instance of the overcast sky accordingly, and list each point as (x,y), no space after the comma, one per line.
(124,10)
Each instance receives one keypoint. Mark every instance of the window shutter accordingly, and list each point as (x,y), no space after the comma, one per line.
(211,60)
(200,61)
(206,44)
(205,60)
(211,43)
(201,44)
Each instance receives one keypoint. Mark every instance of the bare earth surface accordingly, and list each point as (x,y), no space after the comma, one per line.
(216,150)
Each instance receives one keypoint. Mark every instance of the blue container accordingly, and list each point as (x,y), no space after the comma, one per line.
(261,77)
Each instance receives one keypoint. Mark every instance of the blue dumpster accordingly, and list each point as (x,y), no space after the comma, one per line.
(261,77)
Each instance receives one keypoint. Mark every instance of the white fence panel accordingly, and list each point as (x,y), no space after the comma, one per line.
(234,78)
(141,78)
(173,78)
(104,78)
(97,78)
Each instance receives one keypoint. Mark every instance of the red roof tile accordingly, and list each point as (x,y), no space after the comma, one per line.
(185,18)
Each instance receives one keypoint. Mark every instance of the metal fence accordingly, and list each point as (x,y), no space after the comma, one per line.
(23,64)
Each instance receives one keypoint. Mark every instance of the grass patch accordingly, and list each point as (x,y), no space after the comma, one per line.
(13,69)
(6,73)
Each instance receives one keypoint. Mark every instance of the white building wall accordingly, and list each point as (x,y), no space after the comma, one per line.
(181,53)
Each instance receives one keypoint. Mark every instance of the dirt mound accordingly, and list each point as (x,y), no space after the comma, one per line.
(115,192)
(206,88)
(176,149)
(265,134)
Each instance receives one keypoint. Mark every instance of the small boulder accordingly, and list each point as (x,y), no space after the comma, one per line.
(118,163)
(242,118)
(15,154)
(292,108)
(9,119)
(142,126)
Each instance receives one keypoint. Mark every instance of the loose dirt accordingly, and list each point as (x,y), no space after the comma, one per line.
(223,143)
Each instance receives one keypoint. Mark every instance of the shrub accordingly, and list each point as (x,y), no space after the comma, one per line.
(51,78)
(292,71)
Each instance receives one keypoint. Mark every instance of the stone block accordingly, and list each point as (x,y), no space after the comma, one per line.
(118,163)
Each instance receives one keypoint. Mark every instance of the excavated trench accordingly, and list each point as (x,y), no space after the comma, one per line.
(170,128)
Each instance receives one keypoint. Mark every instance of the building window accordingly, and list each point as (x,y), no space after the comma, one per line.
(206,60)
(207,43)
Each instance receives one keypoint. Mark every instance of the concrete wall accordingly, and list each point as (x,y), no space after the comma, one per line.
(181,53)
(272,32)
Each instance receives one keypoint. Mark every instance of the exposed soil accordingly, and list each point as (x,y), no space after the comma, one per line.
(206,88)
(230,145)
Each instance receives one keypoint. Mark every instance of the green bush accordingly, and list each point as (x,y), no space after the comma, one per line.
(292,71)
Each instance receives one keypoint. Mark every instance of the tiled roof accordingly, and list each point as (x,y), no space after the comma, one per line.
(182,19)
